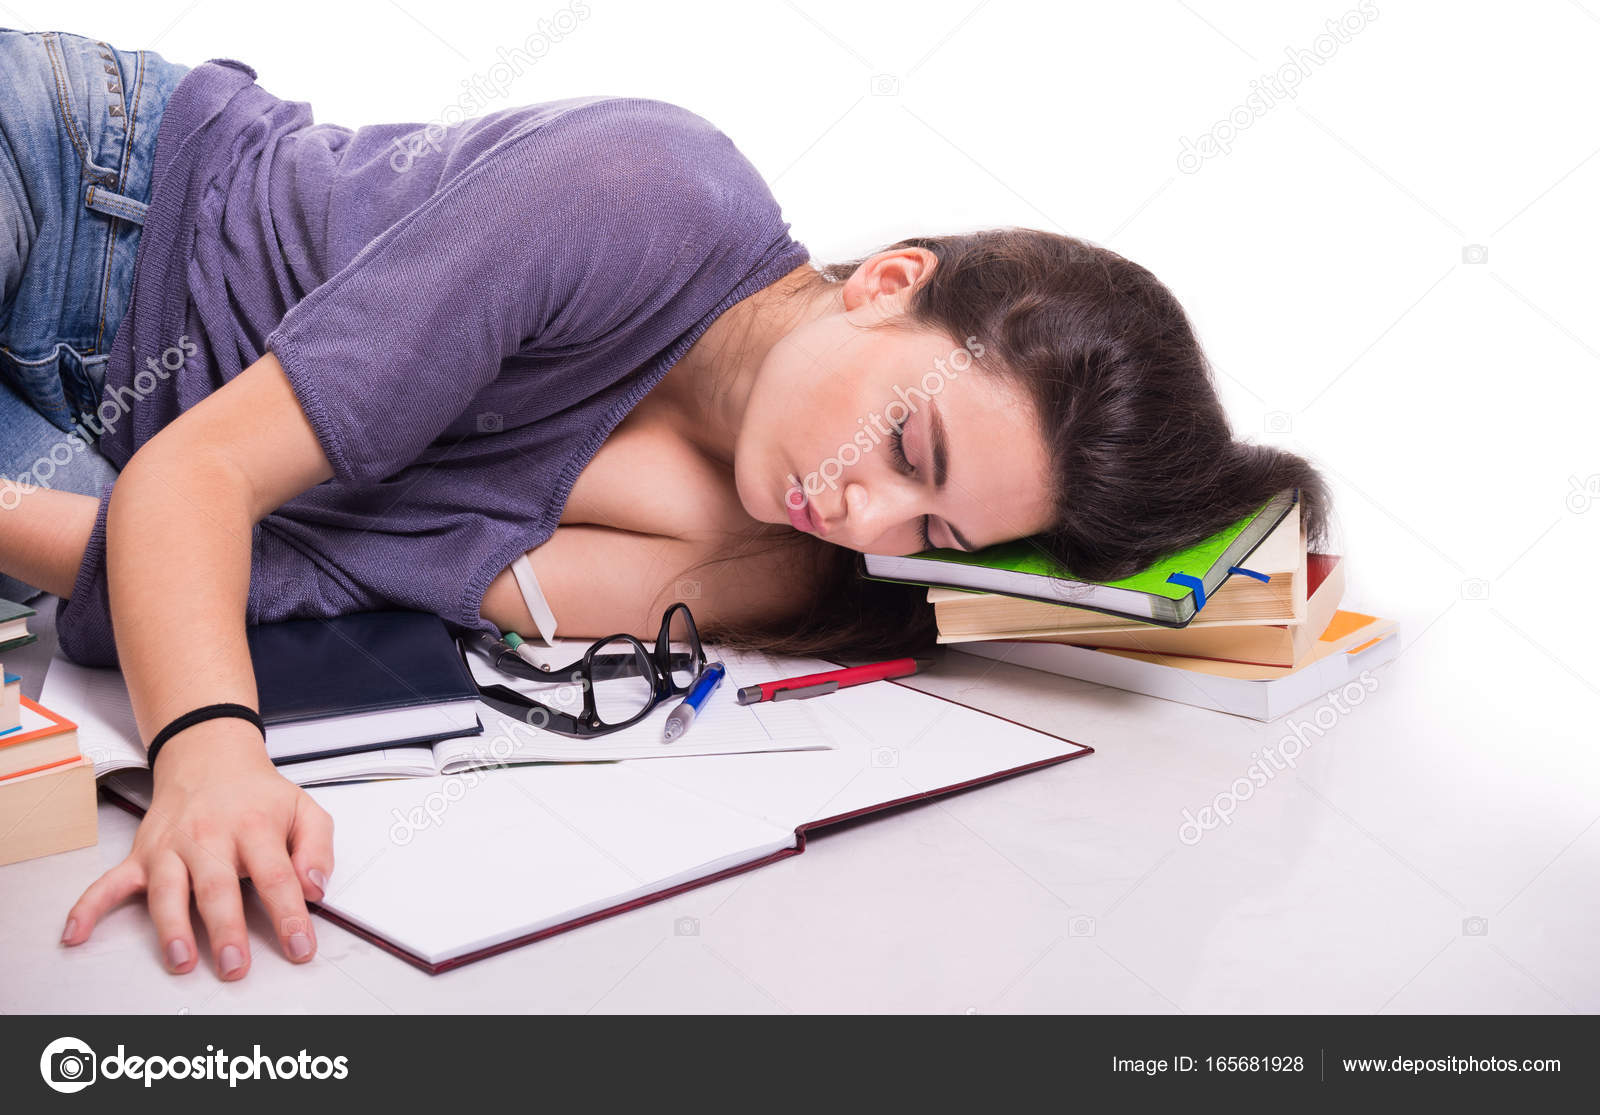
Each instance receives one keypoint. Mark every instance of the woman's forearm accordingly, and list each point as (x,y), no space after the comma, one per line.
(178,541)
(178,535)
(178,569)
(43,534)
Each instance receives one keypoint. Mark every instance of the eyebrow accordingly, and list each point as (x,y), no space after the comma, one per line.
(941,467)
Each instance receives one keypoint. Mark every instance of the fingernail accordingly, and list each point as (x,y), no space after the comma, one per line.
(177,954)
(72,927)
(232,959)
(318,878)
(299,946)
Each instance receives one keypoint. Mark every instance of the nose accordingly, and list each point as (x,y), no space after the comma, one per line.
(873,511)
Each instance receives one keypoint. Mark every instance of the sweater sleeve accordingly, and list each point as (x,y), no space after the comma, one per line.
(83,620)
(545,241)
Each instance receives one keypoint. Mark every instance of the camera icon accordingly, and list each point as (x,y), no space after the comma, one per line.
(687,590)
(884,85)
(884,757)
(1278,422)
(1081,926)
(1474,588)
(72,1066)
(68,1065)
(1475,253)
(490,423)
(1475,927)
(686,927)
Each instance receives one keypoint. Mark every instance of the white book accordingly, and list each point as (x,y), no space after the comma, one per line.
(447,869)
(1265,697)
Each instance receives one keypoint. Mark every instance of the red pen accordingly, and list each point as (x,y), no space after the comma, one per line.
(815,685)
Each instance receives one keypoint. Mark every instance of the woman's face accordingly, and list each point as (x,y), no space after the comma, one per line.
(889,440)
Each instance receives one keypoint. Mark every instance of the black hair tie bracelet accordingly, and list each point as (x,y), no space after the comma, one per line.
(199,715)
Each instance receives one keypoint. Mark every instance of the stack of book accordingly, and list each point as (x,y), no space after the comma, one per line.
(1247,622)
(14,631)
(47,791)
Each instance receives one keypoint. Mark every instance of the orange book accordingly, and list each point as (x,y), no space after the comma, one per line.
(1282,645)
(45,739)
(1349,632)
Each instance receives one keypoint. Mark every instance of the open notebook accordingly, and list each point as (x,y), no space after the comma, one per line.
(442,871)
(98,703)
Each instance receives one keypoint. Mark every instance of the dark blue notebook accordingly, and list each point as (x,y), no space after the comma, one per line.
(360,682)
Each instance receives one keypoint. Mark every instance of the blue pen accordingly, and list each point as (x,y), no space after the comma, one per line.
(681,717)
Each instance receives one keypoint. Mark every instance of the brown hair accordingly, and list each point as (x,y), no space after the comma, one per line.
(1143,460)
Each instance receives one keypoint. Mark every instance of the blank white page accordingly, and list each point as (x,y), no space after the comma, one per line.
(889,742)
(446,866)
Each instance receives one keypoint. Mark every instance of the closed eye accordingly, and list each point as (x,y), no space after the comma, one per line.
(897,447)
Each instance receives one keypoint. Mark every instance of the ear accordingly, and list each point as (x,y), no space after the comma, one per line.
(883,283)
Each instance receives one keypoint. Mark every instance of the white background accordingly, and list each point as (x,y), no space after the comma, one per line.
(1452,404)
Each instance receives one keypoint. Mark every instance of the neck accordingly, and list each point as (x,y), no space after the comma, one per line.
(708,389)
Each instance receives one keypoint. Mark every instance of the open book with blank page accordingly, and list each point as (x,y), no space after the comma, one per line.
(445,870)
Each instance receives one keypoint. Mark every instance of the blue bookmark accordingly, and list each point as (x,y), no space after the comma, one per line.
(1190,581)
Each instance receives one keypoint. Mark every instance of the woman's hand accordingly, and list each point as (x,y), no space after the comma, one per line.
(220,811)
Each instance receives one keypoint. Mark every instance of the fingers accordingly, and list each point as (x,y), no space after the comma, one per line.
(108,890)
(217,894)
(275,880)
(311,842)
(169,910)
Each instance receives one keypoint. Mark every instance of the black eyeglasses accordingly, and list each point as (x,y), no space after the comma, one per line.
(621,680)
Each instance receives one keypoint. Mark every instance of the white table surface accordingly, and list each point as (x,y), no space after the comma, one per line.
(1464,787)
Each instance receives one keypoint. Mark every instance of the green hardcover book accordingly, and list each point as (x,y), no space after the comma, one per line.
(14,625)
(1164,594)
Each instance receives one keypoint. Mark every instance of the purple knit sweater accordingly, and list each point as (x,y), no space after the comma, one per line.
(465,314)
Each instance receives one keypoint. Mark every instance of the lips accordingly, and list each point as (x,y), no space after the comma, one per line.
(802,517)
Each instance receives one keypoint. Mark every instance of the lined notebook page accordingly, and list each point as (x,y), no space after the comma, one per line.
(723,727)
(97,700)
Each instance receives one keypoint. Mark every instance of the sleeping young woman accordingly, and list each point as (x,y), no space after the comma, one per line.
(254,368)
